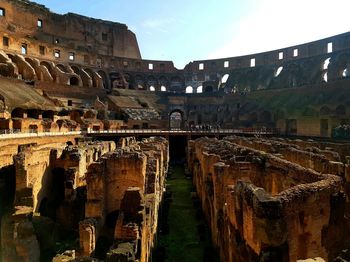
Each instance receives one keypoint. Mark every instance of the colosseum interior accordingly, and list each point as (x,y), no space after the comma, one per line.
(105,156)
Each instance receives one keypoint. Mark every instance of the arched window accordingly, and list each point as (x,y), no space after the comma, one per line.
(152,88)
(345,73)
(73,81)
(176,120)
(278,71)
(163,88)
(326,63)
(325,77)
(189,90)
(224,78)
(200,89)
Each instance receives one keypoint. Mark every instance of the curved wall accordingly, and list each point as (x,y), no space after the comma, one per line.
(101,51)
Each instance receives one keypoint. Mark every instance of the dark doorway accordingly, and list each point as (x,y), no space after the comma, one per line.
(176,120)
(324,127)
(177,148)
(291,127)
(74,81)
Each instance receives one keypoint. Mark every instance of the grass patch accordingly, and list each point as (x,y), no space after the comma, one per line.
(183,242)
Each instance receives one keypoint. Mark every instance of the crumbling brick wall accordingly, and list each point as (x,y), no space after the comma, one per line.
(261,206)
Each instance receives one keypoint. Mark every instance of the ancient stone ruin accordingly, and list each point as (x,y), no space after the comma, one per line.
(271,199)
(106,156)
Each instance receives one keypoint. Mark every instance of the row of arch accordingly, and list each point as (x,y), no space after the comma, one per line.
(310,71)
(290,74)
(27,68)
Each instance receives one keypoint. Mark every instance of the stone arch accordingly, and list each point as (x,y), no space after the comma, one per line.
(73,81)
(89,114)
(325,110)
(48,114)
(224,78)
(128,78)
(152,81)
(118,80)
(208,89)
(139,82)
(105,79)
(340,110)
(176,119)
(163,81)
(84,76)
(18,112)
(63,68)
(176,84)
(93,77)
(189,90)
(49,67)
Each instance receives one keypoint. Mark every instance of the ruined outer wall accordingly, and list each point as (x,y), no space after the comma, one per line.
(69,32)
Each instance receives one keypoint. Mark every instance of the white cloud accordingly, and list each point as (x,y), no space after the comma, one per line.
(276,24)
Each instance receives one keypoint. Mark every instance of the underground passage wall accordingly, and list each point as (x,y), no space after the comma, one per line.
(262,206)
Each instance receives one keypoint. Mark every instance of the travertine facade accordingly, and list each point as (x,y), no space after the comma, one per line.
(266,199)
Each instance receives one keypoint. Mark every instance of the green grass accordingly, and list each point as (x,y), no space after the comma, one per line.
(183,242)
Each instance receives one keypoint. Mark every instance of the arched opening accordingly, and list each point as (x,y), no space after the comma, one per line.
(139,82)
(325,77)
(176,84)
(345,73)
(325,111)
(163,88)
(163,81)
(151,81)
(33,129)
(17,113)
(49,68)
(33,113)
(105,79)
(278,71)
(208,89)
(75,69)
(92,76)
(152,88)
(90,114)
(340,110)
(200,89)
(69,143)
(73,81)
(326,63)
(176,120)
(189,90)
(62,68)
(224,78)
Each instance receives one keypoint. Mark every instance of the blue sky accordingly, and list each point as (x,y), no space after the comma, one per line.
(187,30)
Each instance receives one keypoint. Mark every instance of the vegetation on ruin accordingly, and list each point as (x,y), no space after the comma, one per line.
(188,238)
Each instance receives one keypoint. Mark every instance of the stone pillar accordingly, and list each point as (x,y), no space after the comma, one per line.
(87,236)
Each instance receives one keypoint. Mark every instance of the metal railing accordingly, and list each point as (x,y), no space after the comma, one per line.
(258,131)
(16,133)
